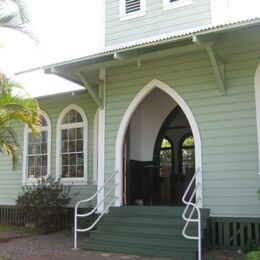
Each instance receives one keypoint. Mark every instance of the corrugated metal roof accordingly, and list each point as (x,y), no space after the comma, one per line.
(156,40)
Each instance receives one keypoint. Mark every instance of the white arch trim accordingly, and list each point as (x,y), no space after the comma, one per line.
(73,181)
(125,122)
(257,105)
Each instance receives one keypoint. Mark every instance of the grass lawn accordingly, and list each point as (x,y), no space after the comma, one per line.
(19,230)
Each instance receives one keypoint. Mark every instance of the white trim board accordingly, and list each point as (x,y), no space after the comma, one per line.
(125,122)
(101,144)
(257,105)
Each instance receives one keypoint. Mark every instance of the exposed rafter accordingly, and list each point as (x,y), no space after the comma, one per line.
(94,90)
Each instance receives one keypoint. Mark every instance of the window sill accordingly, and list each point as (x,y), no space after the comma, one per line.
(124,17)
(31,181)
(74,182)
(176,5)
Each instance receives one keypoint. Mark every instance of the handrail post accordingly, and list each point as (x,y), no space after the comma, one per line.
(189,218)
(75,227)
(104,210)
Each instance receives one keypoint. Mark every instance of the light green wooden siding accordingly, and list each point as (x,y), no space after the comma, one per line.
(155,22)
(11,181)
(227,123)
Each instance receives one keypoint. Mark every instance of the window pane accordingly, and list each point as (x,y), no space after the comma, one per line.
(44,148)
(72,146)
(165,143)
(64,147)
(79,133)
(44,171)
(72,172)
(72,134)
(188,141)
(65,119)
(65,159)
(30,172)
(65,173)
(80,159)
(64,134)
(166,157)
(44,160)
(38,161)
(73,159)
(37,172)
(44,136)
(80,171)
(79,146)
(79,118)
(30,138)
(31,161)
(43,121)
(72,116)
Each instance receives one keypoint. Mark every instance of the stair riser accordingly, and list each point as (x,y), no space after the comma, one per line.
(143,230)
(153,241)
(157,211)
(180,255)
(150,221)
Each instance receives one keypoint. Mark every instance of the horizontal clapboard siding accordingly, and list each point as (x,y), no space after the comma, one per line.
(156,21)
(227,123)
(11,181)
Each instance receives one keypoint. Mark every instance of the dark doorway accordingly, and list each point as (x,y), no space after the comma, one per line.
(163,179)
(176,167)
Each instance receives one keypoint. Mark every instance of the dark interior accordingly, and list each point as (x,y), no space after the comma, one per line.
(163,180)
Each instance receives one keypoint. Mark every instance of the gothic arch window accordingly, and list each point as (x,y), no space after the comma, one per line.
(37,151)
(187,154)
(72,144)
(166,152)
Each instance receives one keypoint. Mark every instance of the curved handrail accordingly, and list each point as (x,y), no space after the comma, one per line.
(76,215)
(188,219)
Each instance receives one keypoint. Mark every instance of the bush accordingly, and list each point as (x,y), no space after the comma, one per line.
(46,202)
(255,255)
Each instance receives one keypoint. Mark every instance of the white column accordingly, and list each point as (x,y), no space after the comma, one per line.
(257,104)
(101,144)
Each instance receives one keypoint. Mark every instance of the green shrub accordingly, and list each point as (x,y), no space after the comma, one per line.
(46,202)
(255,255)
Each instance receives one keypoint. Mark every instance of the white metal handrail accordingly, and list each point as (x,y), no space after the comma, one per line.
(76,215)
(190,218)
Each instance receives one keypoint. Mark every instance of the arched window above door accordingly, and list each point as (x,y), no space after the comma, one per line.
(187,154)
(166,152)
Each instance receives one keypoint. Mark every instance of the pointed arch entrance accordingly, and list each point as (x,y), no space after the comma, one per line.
(119,149)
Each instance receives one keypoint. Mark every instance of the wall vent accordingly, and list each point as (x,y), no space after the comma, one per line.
(132,6)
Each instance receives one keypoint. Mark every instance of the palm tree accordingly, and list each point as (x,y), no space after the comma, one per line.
(15,108)
(14,16)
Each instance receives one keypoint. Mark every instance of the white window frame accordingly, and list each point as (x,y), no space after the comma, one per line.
(123,16)
(167,5)
(78,180)
(27,130)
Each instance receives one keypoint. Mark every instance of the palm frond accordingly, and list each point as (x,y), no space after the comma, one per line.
(15,108)
(12,16)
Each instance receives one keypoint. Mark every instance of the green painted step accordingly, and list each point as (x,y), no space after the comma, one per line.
(144,230)
(135,219)
(159,240)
